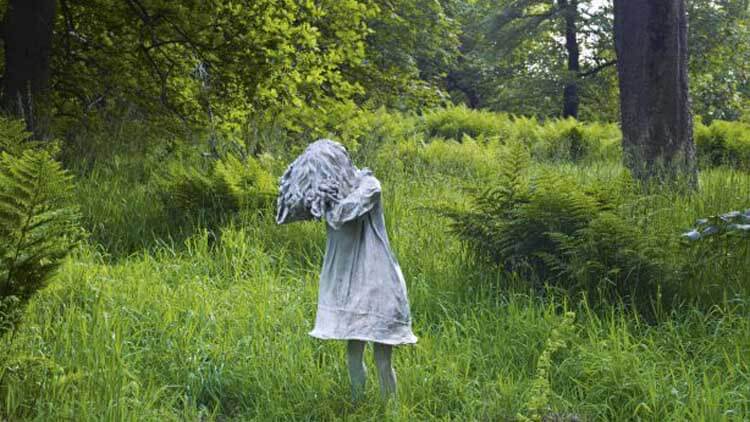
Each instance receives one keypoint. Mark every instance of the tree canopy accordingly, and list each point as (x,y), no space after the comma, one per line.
(226,60)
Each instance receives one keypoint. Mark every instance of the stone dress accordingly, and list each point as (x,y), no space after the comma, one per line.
(362,290)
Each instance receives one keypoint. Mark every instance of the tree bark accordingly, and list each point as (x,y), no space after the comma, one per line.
(570,92)
(657,129)
(27,32)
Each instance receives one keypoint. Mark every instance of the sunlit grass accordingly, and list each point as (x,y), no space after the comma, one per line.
(177,330)
(180,335)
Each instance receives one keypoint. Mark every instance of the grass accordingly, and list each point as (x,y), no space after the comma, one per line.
(173,330)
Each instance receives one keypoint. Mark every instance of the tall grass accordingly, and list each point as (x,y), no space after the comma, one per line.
(190,330)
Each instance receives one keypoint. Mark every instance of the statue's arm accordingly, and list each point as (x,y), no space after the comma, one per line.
(358,203)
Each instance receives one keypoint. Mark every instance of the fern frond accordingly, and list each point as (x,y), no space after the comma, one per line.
(38,229)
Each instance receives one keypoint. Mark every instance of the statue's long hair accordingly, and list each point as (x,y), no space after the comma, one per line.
(324,161)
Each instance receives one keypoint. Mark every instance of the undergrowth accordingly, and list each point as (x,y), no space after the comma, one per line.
(205,317)
(38,222)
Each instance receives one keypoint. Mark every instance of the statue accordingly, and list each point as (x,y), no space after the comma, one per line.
(362,294)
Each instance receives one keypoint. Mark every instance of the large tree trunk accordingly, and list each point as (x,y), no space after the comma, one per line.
(27,32)
(651,46)
(570,92)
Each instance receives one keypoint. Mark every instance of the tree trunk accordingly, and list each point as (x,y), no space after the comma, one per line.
(570,92)
(27,32)
(651,47)
(455,81)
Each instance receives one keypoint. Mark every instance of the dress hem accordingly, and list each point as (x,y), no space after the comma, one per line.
(333,323)
(410,341)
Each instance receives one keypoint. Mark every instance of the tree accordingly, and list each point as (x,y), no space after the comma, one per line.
(570,92)
(255,59)
(719,58)
(27,35)
(411,46)
(651,47)
(525,56)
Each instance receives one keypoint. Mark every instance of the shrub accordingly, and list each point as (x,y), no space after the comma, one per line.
(555,140)
(455,122)
(472,159)
(720,143)
(509,222)
(551,229)
(612,259)
(367,131)
(13,135)
(37,227)
(249,183)
(215,190)
(723,143)
(570,140)
(186,188)
(524,130)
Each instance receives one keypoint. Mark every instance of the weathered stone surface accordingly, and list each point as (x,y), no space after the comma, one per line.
(362,289)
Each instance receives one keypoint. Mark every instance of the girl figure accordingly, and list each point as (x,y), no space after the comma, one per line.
(362,294)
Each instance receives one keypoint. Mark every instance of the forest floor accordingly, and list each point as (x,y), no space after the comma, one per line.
(199,330)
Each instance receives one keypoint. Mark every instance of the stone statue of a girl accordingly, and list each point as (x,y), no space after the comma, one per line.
(362,291)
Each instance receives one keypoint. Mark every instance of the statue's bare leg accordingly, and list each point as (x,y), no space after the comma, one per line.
(386,374)
(355,352)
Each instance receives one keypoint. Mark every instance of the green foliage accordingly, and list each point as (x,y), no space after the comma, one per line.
(723,143)
(368,131)
(720,143)
(611,260)
(570,140)
(13,135)
(249,182)
(719,240)
(513,59)
(194,331)
(37,227)
(551,140)
(719,60)
(471,159)
(550,228)
(538,402)
(411,46)
(455,122)
(224,62)
(362,131)
(216,190)
(219,61)
(187,188)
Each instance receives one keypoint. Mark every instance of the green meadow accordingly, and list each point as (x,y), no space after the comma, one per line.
(204,315)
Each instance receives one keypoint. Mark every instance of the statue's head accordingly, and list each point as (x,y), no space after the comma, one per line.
(324,161)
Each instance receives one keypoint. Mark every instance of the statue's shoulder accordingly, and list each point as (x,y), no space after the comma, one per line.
(366,179)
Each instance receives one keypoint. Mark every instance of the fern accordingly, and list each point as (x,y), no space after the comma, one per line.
(13,135)
(455,122)
(610,258)
(217,190)
(554,231)
(251,185)
(723,143)
(482,226)
(187,188)
(538,404)
(37,227)
(510,222)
